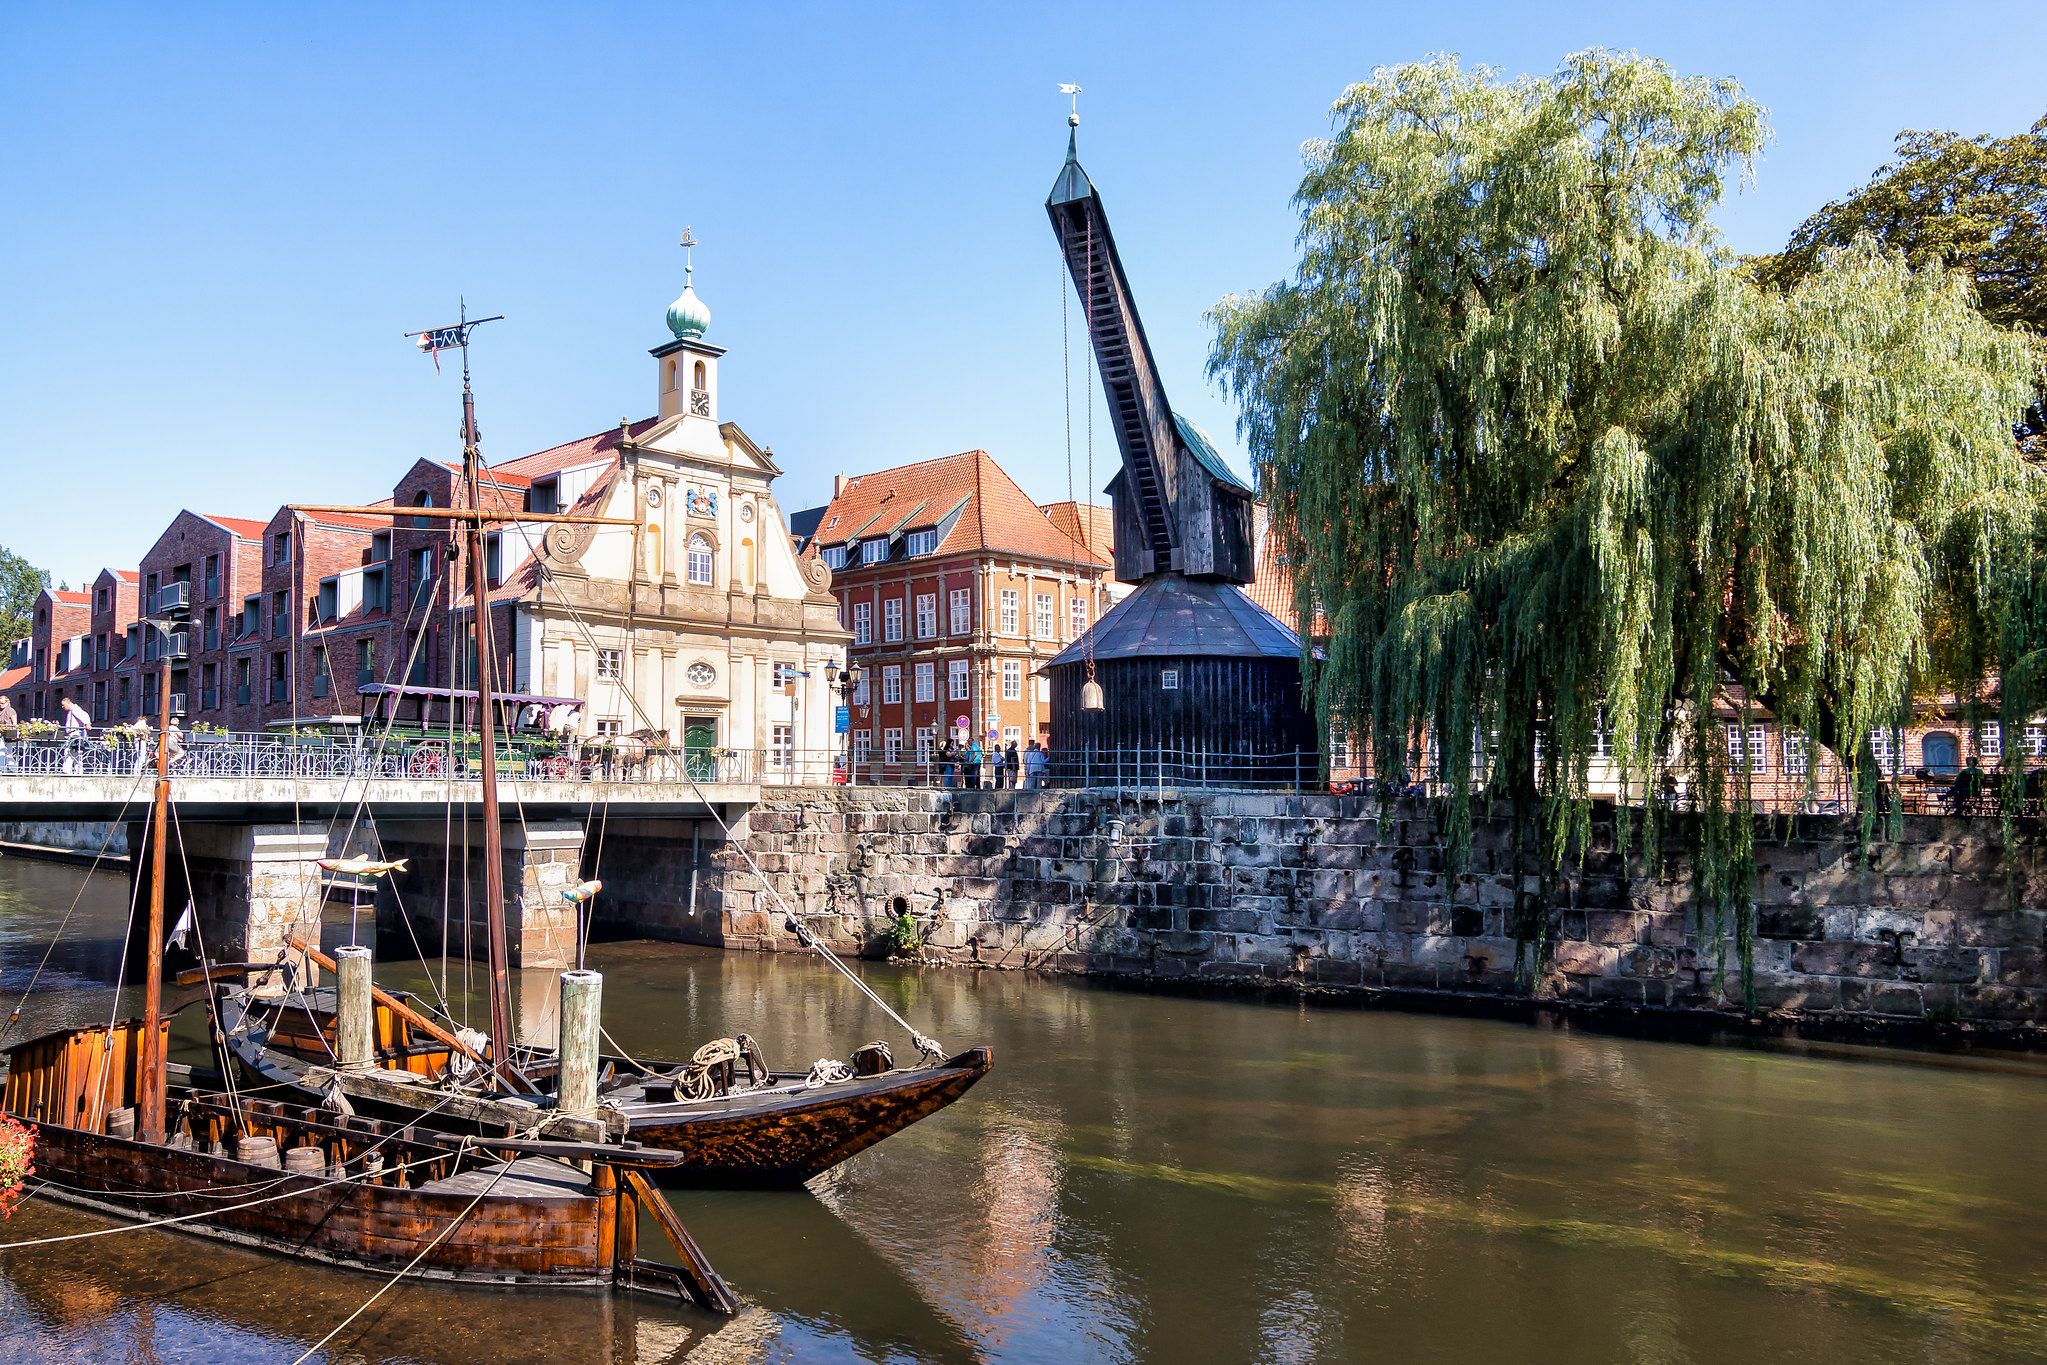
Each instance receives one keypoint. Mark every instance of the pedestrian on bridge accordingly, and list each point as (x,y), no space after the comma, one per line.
(77,733)
(8,723)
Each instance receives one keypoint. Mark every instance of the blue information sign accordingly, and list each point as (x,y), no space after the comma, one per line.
(842,719)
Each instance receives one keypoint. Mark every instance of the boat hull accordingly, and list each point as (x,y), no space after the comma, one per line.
(357,1225)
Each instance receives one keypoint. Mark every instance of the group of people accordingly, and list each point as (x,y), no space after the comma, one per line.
(1007,767)
(77,731)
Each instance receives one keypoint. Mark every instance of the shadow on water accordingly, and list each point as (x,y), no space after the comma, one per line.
(1153,1177)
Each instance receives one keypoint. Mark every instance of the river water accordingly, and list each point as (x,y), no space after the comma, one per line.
(1156,1178)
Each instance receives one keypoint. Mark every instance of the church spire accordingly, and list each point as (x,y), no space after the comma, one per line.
(687,316)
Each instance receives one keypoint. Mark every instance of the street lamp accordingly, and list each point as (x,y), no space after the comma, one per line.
(846,681)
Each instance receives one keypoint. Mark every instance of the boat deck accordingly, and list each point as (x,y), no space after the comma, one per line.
(532,1175)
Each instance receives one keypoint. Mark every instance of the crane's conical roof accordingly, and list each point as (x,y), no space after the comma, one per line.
(1172,614)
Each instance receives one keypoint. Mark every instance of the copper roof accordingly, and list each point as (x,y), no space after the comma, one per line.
(997,516)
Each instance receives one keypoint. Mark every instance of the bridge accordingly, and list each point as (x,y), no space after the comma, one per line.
(252,817)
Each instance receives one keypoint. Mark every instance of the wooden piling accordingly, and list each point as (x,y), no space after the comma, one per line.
(355,1015)
(582,997)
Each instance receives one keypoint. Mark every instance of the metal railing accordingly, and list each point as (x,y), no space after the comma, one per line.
(120,752)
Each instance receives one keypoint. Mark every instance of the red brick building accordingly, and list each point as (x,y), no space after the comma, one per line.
(957,587)
(59,658)
(208,565)
(114,602)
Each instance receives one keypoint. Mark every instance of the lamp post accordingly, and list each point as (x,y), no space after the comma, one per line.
(845,680)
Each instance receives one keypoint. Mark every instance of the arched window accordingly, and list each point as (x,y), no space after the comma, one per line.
(1940,752)
(700,374)
(674,375)
(653,550)
(746,562)
(699,559)
(422,499)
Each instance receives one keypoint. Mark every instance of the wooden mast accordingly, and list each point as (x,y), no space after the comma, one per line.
(149,1084)
(475,515)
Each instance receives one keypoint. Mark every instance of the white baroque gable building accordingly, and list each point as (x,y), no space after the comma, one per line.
(704,627)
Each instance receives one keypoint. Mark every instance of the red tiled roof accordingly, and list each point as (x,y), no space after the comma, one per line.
(127,575)
(499,476)
(69,598)
(1090,523)
(1272,589)
(602,446)
(10,677)
(241,526)
(998,518)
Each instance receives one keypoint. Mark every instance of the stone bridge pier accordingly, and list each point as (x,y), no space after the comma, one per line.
(443,882)
(662,879)
(251,886)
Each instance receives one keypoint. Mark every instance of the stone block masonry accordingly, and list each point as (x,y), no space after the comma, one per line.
(1337,892)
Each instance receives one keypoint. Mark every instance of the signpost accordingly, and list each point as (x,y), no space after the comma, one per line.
(842,719)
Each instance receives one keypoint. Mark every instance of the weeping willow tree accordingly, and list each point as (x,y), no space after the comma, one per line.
(1557,472)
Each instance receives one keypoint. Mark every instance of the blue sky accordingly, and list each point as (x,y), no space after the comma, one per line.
(219,220)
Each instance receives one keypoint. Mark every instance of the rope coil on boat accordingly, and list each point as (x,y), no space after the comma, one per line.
(699,1081)
(827,1071)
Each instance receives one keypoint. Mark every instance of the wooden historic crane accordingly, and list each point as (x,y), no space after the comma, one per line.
(1177,506)
(1187,675)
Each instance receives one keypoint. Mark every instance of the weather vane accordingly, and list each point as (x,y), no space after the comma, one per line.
(689,245)
(1072,119)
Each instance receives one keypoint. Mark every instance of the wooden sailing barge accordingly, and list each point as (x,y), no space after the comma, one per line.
(320,1183)
(771,1130)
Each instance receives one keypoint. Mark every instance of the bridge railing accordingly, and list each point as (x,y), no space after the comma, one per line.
(119,752)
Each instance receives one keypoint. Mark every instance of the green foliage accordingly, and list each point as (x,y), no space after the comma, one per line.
(20,583)
(1548,455)
(1978,204)
(902,936)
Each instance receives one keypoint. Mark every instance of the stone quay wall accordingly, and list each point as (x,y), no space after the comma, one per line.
(1340,893)
(87,837)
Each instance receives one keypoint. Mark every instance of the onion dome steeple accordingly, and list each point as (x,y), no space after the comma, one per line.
(688,316)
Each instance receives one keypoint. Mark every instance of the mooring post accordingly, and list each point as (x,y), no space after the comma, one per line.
(355,1017)
(582,996)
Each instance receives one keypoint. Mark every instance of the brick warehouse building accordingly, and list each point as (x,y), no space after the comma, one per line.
(956,587)
(58,657)
(211,563)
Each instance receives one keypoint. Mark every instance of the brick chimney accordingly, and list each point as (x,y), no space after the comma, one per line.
(839,482)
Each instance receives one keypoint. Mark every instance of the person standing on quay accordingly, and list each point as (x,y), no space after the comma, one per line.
(974,763)
(1034,766)
(1011,762)
(8,723)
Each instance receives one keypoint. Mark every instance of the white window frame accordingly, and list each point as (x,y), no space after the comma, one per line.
(1012,680)
(1047,621)
(610,665)
(920,543)
(863,623)
(927,685)
(1792,749)
(1883,744)
(834,556)
(874,551)
(1757,755)
(927,615)
(860,688)
(1990,740)
(892,685)
(892,619)
(959,681)
(1009,611)
(783,752)
(1076,616)
(2036,740)
(892,745)
(927,743)
(863,745)
(1169,680)
(962,602)
(700,560)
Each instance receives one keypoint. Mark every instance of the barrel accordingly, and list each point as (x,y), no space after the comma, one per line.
(306,1161)
(257,1151)
(121,1123)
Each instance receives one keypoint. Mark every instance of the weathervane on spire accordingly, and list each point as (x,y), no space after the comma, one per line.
(689,246)
(1072,119)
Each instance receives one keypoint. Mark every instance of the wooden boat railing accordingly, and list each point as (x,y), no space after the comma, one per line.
(77,1078)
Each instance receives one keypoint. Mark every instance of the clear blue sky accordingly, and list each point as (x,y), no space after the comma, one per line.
(219,220)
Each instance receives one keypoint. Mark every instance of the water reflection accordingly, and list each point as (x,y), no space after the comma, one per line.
(1160,1179)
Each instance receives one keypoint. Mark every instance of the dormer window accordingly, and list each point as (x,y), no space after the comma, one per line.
(545,497)
(920,543)
(874,551)
(834,555)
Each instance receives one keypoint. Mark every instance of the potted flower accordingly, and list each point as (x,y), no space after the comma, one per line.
(17,1161)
